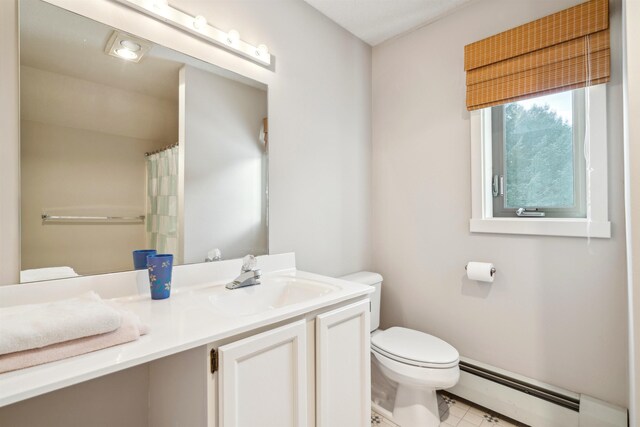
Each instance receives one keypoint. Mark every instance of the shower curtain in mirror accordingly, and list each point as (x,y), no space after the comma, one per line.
(162,201)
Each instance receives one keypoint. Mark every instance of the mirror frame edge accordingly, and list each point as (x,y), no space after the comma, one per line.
(10,160)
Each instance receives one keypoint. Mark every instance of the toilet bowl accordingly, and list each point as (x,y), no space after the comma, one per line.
(418,362)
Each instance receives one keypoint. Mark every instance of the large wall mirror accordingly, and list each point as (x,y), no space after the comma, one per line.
(129,145)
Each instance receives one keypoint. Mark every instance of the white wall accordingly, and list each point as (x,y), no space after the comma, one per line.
(82,153)
(632,34)
(320,117)
(225,170)
(556,311)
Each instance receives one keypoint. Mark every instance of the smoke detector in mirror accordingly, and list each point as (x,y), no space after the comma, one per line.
(131,45)
(125,53)
(127,47)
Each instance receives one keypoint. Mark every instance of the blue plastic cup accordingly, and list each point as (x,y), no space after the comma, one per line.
(160,267)
(140,258)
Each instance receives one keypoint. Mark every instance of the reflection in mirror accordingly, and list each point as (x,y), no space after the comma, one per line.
(129,145)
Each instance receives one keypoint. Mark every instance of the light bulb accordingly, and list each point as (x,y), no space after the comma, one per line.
(126,54)
(199,22)
(130,45)
(262,50)
(233,37)
(161,5)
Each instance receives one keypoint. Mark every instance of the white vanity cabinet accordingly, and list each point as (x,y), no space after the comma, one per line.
(310,369)
(343,372)
(268,379)
(262,379)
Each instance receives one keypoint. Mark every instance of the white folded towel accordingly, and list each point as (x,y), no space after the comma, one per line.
(24,327)
(130,330)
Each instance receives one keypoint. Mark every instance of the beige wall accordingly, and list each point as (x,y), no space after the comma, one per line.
(82,153)
(119,399)
(225,167)
(67,101)
(632,69)
(557,309)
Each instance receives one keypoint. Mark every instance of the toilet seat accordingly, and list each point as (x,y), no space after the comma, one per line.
(415,348)
(417,377)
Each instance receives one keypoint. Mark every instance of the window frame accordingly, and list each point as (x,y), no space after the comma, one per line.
(578,210)
(596,224)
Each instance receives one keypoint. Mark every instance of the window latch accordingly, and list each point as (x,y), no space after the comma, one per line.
(530,212)
(497,185)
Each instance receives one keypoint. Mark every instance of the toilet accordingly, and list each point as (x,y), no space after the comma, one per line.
(418,362)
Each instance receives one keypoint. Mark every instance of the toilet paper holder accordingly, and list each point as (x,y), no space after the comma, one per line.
(493,270)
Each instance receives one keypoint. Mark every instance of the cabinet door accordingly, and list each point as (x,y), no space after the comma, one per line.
(343,375)
(263,379)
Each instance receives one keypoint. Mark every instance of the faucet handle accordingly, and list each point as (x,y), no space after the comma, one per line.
(249,263)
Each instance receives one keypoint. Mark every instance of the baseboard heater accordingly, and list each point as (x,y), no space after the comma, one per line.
(552,396)
(532,402)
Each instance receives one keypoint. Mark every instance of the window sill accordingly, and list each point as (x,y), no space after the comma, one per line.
(568,227)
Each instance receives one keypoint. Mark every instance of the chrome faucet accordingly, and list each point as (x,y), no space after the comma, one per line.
(249,276)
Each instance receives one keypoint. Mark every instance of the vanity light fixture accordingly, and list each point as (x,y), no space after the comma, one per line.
(198,26)
(233,37)
(160,5)
(262,50)
(126,47)
(199,22)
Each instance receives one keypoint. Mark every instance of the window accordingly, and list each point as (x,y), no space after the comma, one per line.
(538,157)
(528,171)
(528,155)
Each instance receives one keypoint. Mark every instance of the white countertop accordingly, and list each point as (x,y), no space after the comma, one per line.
(185,320)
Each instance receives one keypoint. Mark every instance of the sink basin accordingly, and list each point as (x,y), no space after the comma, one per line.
(273,293)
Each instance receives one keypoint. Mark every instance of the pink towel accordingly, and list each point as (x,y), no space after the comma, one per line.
(130,330)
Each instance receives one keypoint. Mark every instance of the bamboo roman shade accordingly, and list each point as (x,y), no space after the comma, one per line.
(563,51)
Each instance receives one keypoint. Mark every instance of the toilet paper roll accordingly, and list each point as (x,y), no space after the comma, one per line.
(480,271)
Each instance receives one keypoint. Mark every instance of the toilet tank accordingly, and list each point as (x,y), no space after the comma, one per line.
(371,279)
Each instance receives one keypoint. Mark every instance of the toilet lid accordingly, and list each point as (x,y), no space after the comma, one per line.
(414,347)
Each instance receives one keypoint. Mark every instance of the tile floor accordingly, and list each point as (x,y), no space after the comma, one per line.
(378,420)
(456,412)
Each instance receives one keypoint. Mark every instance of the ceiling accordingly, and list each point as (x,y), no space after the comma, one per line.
(53,39)
(375,21)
